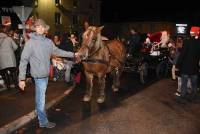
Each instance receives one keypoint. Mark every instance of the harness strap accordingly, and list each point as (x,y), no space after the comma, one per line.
(96,61)
(94,52)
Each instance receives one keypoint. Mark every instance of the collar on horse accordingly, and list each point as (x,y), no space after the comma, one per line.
(99,43)
(96,61)
(100,61)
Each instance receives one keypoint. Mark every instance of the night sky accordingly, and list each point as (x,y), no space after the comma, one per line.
(179,11)
(147,10)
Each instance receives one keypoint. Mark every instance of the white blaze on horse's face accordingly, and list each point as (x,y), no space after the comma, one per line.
(88,41)
(88,36)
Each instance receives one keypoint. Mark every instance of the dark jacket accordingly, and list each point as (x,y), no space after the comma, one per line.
(66,45)
(176,56)
(134,42)
(188,60)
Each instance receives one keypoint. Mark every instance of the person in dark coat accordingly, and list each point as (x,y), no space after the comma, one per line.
(67,45)
(133,42)
(188,63)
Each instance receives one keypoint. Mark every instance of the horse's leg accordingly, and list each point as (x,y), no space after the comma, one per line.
(116,81)
(89,86)
(101,82)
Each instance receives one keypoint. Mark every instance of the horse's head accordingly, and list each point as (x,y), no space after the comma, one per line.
(91,39)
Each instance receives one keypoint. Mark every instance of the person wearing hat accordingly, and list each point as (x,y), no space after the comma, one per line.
(188,64)
(37,51)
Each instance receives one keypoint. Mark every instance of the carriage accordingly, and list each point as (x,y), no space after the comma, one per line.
(151,58)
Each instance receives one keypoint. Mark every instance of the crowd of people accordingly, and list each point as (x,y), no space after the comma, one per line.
(183,55)
(37,55)
(43,58)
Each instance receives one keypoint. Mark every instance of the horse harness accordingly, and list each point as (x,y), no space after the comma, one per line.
(100,61)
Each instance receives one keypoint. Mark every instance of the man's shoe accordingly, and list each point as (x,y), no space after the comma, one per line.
(177,93)
(48,125)
(173,79)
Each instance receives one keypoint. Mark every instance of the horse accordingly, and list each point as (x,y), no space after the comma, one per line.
(100,58)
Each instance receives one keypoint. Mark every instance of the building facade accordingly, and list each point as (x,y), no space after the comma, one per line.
(67,15)
(114,30)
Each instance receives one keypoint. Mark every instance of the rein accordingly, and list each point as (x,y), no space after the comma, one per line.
(96,61)
(99,61)
(90,60)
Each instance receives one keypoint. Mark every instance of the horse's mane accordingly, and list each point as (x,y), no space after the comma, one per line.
(99,42)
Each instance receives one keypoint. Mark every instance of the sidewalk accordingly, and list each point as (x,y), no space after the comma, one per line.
(17,107)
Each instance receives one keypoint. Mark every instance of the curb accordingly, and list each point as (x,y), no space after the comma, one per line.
(16,124)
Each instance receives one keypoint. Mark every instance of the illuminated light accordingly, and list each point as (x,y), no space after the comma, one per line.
(181,25)
(36,3)
(181,28)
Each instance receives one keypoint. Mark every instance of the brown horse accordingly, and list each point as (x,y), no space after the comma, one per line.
(99,58)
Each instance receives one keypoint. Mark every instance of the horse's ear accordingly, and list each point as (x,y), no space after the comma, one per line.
(100,28)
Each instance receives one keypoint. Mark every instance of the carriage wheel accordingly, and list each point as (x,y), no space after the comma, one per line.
(143,72)
(162,70)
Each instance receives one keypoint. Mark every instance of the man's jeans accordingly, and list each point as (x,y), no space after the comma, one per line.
(184,81)
(189,86)
(40,87)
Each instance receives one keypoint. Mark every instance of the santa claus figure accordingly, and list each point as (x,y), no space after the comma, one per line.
(164,39)
(194,31)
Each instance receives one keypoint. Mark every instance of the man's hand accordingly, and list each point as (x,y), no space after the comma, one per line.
(76,54)
(77,57)
(22,85)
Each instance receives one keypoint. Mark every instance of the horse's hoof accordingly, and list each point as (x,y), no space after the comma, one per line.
(86,98)
(101,99)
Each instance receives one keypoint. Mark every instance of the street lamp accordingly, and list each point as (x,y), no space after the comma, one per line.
(23,13)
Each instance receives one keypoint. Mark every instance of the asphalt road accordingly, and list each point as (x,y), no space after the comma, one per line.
(135,109)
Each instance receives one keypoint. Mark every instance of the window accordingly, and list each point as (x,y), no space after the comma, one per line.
(91,6)
(36,3)
(75,3)
(75,20)
(181,28)
(57,2)
(57,18)
(91,20)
